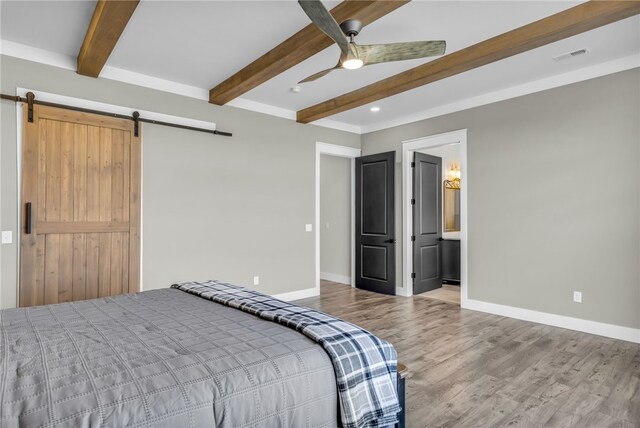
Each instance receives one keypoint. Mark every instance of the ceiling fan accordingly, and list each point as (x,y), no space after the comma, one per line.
(353,56)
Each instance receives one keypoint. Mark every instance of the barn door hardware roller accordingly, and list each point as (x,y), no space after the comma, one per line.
(31,101)
(136,123)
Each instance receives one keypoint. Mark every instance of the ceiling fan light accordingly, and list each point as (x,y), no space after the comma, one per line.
(352,64)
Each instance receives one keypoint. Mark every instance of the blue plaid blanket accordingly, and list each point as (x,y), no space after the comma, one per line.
(365,366)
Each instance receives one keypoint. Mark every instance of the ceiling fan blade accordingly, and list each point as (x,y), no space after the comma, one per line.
(320,74)
(375,54)
(319,15)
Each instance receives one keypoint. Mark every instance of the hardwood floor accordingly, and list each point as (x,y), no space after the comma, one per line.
(448,293)
(471,369)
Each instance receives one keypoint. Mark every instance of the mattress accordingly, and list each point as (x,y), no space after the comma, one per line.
(161,358)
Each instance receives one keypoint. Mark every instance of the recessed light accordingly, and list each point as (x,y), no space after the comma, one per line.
(374,109)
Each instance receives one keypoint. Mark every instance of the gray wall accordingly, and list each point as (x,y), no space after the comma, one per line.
(213,207)
(553,197)
(335,211)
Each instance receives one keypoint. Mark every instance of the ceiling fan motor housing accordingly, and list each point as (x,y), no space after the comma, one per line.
(351,27)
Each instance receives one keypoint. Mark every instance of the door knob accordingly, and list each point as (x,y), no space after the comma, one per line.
(390,241)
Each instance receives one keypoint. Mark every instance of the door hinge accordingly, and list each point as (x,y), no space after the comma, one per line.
(413,275)
(413,164)
(413,201)
(413,237)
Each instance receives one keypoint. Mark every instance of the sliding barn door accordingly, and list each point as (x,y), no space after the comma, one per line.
(80,207)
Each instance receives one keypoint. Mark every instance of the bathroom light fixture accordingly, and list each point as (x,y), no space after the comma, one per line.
(453,172)
(453,177)
(375,109)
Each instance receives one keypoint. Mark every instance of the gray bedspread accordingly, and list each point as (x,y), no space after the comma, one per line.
(365,365)
(161,358)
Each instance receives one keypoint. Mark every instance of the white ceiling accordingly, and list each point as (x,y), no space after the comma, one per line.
(200,43)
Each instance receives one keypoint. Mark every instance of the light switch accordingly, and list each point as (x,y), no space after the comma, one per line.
(307,227)
(7,237)
(577,296)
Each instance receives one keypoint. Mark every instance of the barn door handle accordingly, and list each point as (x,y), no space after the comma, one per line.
(27,228)
(390,241)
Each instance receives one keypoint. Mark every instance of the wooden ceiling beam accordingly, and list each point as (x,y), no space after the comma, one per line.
(109,20)
(302,45)
(579,19)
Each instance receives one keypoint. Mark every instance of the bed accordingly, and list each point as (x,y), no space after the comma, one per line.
(196,354)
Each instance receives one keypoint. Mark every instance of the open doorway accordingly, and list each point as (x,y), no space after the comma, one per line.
(335,214)
(335,219)
(434,192)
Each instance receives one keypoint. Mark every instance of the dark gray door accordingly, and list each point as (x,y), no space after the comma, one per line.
(427,222)
(375,223)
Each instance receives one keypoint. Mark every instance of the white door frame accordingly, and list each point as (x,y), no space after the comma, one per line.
(343,152)
(408,148)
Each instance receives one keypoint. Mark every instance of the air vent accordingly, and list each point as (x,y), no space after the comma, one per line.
(570,54)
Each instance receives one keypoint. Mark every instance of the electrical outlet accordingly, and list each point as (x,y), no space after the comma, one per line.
(577,296)
(256,280)
(308,227)
(7,237)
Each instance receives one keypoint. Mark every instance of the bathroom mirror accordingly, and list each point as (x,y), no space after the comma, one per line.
(452,205)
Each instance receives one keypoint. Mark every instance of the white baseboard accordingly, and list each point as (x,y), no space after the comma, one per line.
(342,279)
(598,328)
(297,295)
